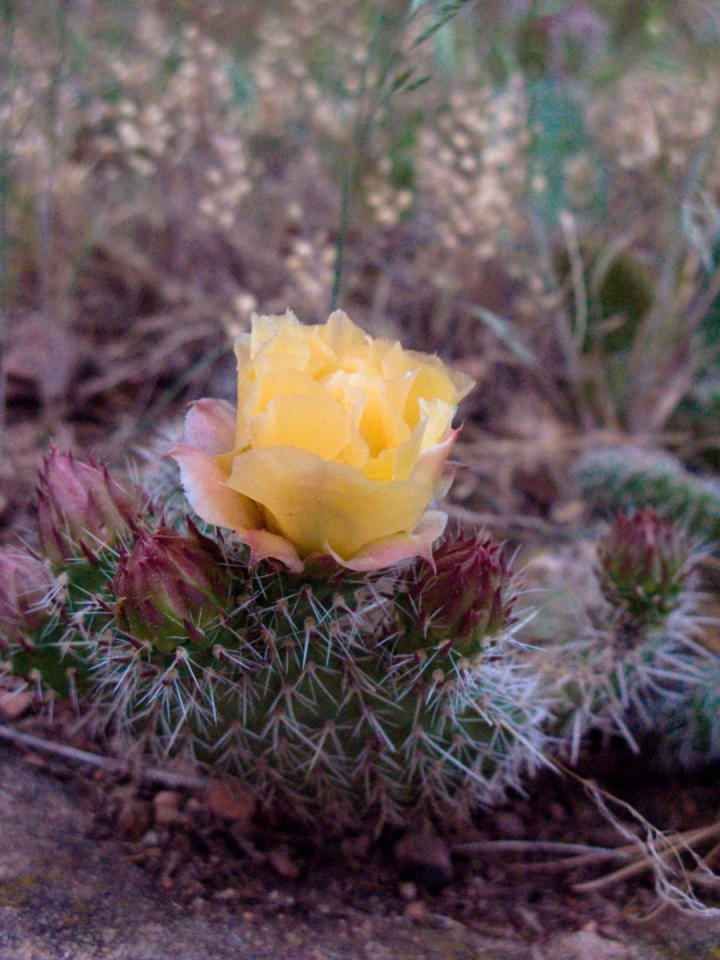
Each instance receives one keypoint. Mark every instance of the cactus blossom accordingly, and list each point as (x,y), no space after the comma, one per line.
(169,587)
(81,508)
(338,445)
(643,564)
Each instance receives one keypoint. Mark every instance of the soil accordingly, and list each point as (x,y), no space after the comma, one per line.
(97,865)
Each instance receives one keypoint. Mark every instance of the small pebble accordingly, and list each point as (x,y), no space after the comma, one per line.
(416,910)
(231,800)
(14,705)
(510,825)
(424,858)
(133,818)
(408,891)
(229,893)
(281,863)
(166,807)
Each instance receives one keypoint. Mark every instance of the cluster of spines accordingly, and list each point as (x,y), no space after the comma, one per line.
(325,705)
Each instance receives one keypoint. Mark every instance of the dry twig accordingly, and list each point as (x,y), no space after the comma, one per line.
(165,778)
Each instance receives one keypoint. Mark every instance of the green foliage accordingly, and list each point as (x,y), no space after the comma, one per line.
(401,152)
(699,411)
(240,80)
(618,292)
(556,118)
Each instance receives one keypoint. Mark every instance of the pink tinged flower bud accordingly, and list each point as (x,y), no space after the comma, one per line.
(644,562)
(466,599)
(81,508)
(170,588)
(27,592)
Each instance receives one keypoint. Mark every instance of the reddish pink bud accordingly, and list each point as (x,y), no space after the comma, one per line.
(466,599)
(170,587)
(27,591)
(644,562)
(81,508)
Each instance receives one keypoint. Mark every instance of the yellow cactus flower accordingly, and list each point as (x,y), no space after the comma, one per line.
(338,445)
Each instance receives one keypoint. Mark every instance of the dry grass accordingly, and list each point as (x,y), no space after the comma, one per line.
(169,167)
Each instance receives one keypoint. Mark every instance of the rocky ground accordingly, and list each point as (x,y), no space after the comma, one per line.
(75,885)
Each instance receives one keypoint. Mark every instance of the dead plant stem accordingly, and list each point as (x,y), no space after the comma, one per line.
(165,778)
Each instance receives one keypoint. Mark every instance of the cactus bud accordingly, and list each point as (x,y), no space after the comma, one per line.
(169,588)
(643,565)
(465,600)
(81,507)
(27,590)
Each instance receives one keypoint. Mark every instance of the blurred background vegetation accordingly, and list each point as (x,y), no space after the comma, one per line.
(529,187)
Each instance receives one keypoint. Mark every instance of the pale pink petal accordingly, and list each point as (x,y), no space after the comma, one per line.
(204,483)
(389,551)
(210,426)
(265,545)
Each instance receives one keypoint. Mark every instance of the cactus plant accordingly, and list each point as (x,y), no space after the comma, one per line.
(334,695)
(626,479)
(639,657)
(688,735)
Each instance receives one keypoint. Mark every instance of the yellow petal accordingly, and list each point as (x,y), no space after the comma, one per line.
(430,465)
(265,545)
(397,463)
(429,381)
(381,468)
(381,424)
(266,327)
(343,336)
(209,426)
(314,503)
(436,415)
(391,550)
(316,424)
(278,383)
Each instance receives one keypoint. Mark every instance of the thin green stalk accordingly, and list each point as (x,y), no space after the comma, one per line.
(393,77)
(52,134)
